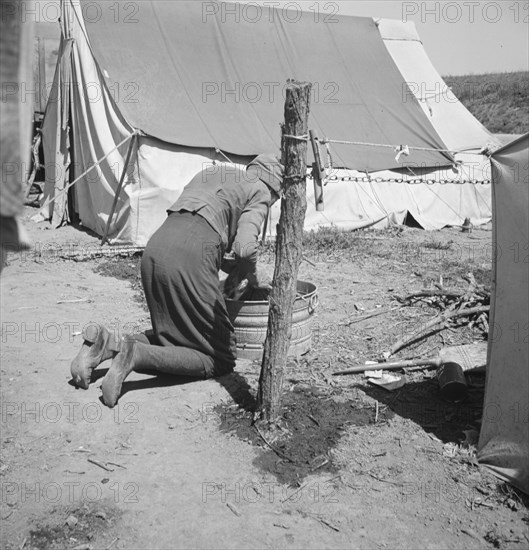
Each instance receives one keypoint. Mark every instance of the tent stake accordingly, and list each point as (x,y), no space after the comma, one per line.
(118,190)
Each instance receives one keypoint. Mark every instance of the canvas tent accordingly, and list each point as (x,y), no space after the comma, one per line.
(46,49)
(178,86)
(504,437)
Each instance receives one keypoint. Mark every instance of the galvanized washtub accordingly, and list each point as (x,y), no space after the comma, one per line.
(250,320)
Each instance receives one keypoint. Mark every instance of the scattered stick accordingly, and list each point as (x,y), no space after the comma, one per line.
(100,464)
(79,301)
(484,322)
(301,487)
(233,509)
(339,476)
(369,315)
(90,253)
(325,522)
(382,453)
(382,480)
(470,533)
(429,293)
(112,543)
(392,365)
(276,451)
(376,412)
(326,461)
(313,419)
(437,320)
(118,465)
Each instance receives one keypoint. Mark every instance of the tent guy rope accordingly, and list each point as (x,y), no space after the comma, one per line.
(219,152)
(368,144)
(89,169)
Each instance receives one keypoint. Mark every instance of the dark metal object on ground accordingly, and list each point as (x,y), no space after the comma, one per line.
(452,382)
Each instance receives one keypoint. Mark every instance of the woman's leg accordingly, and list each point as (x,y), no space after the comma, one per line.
(190,322)
(99,344)
(180,279)
(173,360)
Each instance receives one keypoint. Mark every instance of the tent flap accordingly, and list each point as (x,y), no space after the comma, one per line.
(504,437)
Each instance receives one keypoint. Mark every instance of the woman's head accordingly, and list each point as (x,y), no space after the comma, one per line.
(270,171)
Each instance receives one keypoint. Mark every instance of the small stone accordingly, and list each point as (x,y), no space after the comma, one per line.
(512,504)
(71,521)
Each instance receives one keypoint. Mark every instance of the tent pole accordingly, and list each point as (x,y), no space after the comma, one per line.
(118,190)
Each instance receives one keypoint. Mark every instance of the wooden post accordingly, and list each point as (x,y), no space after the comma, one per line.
(289,252)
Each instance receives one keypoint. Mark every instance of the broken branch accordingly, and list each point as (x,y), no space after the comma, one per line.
(435,322)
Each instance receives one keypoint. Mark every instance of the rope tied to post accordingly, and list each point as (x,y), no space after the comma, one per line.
(400,147)
(299,138)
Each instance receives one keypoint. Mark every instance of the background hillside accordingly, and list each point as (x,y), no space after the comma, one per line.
(500,101)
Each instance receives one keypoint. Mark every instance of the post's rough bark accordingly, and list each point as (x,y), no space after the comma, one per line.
(289,241)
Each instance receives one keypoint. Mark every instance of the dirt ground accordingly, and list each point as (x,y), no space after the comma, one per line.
(178,464)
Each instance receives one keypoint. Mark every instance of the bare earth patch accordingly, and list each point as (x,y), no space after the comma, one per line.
(179,464)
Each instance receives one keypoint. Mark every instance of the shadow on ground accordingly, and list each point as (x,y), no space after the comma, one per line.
(315,418)
(421,402)
(312,423)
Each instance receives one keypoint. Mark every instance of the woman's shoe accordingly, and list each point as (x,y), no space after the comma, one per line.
(98,346)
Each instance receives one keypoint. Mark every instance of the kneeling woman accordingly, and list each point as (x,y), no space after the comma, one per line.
(191,335)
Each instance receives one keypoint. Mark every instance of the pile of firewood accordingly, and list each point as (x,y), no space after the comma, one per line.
(456,308)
